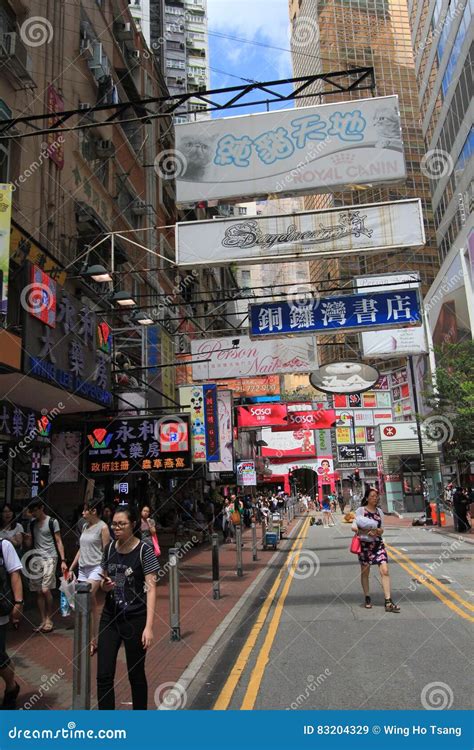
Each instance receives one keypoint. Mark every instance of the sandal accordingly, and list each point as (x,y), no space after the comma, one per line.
(48,628)
(390,606)
(368,602)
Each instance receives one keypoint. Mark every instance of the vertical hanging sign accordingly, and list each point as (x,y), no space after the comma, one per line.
(212,422)
(5,228)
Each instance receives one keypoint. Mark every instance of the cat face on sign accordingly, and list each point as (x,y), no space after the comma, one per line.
(198,152)
(387,125)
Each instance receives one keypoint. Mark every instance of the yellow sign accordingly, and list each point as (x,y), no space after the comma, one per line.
(5,222)
(168,379)
(23,248)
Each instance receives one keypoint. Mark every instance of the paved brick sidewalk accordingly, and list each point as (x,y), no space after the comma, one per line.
(44,662)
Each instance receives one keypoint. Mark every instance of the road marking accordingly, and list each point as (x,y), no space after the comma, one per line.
(225,696)
(256,677)
(434,590)
(434,581)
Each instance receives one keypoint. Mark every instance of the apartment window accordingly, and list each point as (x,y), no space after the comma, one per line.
(174,11)
(195,19)
(177,64)
(245,277)
(242,210)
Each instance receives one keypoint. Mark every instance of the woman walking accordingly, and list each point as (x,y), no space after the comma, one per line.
(92,542)
(328,518)
(369,520)
(129,569)
(10,528)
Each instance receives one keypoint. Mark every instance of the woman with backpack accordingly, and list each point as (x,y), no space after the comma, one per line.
(92,542)
(129,568)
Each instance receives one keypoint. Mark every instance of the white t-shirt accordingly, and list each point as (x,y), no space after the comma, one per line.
(10,533)
(12,563)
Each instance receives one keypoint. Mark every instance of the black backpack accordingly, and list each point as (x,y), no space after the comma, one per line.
(6,593)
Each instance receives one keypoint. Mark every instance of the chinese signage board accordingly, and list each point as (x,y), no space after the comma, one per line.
(225,409)
(246,474)
(202,403)
(133,445)
(17,423)
(303,150)
(66,355)
(349,312)
(262,415)
(5,220)
(256,239)
(345,377)
(249,358)
(285,444)
(398,341)
(24,248)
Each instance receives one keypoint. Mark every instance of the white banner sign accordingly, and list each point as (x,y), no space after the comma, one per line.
(246,474)
(249,358)
(336,231)
(225,407)
(395,341)
(308,149)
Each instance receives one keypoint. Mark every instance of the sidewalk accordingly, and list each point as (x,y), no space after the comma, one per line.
(44,661)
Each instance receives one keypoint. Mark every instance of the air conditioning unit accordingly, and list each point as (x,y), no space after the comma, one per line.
(87,49)
(202,53)
(15,54)
(139,207)
(104,149)
(124,31)
(85,107)
(134,54)
(180,81)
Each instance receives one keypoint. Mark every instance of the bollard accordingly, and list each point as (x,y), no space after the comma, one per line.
(81,660)
(254,541)
(238,545)
(216,591)
(174,595)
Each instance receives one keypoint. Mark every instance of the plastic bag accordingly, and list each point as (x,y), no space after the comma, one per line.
(68,588)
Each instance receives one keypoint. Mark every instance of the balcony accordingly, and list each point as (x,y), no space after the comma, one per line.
(15,61)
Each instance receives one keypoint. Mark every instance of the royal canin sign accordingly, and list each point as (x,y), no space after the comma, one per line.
(262,415)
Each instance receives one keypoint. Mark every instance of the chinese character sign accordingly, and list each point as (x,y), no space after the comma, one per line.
(350,312)
(293,150)
(122,446)
(202,403)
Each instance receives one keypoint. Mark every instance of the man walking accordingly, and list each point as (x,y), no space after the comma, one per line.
(45,539)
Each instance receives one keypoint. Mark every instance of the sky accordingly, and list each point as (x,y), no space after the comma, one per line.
(262,21)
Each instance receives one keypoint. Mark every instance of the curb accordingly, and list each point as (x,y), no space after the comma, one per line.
(191,672)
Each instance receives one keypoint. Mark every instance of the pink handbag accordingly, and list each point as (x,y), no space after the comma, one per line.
(355,547)
(156,545)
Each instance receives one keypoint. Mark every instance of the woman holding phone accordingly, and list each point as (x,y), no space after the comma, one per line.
(128,575)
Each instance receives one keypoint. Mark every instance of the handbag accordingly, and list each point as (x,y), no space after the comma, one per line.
(235,517)
(356,546)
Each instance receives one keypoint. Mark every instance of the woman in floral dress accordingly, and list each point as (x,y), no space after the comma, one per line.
(369,520)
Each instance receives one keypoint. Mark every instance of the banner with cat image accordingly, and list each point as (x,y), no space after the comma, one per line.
(298,150)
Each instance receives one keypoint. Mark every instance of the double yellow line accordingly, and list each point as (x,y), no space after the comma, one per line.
(450,598)
(225,696)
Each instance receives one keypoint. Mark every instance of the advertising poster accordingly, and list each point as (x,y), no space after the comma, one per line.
(65,451)
(246,474)
(225,415)
(202,403)
(285,444)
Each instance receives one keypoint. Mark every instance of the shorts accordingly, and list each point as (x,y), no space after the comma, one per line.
(4,658)
(89,573)
(44,575)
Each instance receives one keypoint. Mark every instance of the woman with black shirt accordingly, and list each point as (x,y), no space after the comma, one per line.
(129,569)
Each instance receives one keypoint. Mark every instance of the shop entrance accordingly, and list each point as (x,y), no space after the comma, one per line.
(306,481)
(412,486)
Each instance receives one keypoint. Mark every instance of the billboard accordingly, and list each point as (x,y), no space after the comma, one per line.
(225,409)
(311,419)
(122,446)
(235,357)
(202,403)
(285,444)
(262,415)
(5,220)
(246,474)
(334,231)
(304,150)
(398,341)
(342,312)
(345,377)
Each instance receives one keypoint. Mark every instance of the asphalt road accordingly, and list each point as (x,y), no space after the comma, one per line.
(309,643)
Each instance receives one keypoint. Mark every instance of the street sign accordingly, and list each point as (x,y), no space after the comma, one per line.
(349,312)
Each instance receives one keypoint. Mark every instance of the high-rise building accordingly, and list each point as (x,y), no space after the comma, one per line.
(442,37)
(336,35)
(180,41)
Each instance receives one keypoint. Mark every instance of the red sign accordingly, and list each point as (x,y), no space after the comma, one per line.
(390,431)
(55,149)
(320,419)
(262,415)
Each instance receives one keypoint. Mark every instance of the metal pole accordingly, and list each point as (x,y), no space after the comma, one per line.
(424,483)
(264,530)
(216,591)
(174,594)
(254,541)
(81,660)
(238,544)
